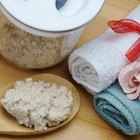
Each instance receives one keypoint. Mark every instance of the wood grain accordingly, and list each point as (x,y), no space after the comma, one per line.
(87,125)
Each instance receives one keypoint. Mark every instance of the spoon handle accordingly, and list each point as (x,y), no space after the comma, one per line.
(60,3)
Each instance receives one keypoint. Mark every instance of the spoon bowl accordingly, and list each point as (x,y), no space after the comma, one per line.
(8,123)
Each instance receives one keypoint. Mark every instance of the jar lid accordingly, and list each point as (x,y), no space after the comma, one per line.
(43,14)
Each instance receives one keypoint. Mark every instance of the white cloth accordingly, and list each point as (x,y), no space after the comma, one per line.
(96,65)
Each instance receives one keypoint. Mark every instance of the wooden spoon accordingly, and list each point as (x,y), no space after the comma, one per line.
(9,125)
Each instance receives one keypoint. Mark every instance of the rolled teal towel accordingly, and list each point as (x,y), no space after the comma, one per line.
(114,107)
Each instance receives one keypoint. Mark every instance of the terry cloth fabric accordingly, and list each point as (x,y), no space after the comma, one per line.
(114,107)
(97,64)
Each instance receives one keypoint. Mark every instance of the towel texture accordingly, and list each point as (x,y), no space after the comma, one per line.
(113,106)
(97,64)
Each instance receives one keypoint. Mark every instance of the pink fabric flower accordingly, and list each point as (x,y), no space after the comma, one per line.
(129,79)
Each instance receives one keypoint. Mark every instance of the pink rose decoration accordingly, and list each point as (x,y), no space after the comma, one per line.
(129,79)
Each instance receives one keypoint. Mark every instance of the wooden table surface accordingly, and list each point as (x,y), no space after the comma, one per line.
(87,125)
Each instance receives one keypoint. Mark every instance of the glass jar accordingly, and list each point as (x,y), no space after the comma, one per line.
(31,51)
(32,47)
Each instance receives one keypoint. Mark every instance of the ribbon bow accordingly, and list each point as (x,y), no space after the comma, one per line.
(126,26)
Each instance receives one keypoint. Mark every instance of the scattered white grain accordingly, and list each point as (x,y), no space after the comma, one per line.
(38,104)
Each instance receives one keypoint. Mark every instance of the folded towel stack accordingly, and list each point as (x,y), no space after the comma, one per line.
(97,64)
(113,106)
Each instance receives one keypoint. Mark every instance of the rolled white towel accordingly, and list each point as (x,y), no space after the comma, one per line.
(96,64)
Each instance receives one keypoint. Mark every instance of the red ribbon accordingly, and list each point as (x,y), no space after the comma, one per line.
(126,26)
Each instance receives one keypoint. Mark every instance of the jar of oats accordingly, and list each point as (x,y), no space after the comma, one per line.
(39,34)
